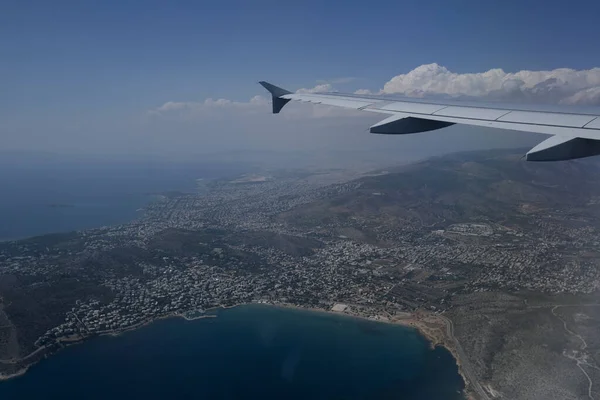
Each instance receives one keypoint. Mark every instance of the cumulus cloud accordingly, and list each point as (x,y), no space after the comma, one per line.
(588,97)
(562,85)
(324,87)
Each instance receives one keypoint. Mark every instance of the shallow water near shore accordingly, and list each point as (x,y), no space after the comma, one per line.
(247,352)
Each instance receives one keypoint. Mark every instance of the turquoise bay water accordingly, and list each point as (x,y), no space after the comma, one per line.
(248,352)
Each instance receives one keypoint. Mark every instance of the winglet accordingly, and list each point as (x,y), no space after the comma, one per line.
(276,93)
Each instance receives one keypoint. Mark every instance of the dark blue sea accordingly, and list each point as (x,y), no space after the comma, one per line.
(61,196)
(248,352)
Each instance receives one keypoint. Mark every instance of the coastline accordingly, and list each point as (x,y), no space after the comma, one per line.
(20,372)
(63,342)
(433,327)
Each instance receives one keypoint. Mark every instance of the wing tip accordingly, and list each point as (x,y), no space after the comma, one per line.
(275,91)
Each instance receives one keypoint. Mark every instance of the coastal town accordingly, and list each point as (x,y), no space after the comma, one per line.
(302,239)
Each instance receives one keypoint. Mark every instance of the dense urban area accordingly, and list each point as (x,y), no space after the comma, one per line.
(495,248)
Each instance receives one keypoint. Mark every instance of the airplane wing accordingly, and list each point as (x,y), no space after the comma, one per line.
(573,135)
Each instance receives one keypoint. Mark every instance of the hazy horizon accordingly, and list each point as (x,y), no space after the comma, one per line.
(181,81)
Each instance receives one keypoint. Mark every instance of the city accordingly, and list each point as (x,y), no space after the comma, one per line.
(292,240)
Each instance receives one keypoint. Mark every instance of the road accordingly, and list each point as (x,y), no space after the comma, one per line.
(582,359)
(466,367)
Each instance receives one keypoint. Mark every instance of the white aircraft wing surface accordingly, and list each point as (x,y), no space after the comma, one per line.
(574,135)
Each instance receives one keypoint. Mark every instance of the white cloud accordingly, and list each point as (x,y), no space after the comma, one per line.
(589,96)
(562,85)
(324,87)
(211,107)
(171,106)
(559,86)
(258,105)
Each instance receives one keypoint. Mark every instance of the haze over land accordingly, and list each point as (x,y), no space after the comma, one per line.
(501,247)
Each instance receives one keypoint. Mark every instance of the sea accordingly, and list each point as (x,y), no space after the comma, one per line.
(246,352)
(62,196)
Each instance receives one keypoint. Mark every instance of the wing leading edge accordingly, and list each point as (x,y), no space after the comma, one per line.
(573,135)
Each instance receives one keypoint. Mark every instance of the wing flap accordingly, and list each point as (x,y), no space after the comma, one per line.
(593,124)
(351,103)
(471,113)
(416,108)
(545,118)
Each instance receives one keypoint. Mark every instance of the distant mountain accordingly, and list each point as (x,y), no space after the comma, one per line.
(493,186)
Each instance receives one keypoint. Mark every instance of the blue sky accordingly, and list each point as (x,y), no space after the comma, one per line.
(71,70)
